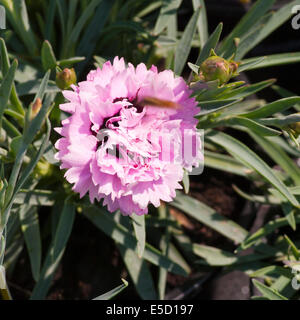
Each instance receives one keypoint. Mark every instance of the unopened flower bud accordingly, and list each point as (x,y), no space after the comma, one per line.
(66,78)
(1,185)
(43,169)
(295,127)
(36,107)
(217,68)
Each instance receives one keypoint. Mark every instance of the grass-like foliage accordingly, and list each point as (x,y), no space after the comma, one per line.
(44,37)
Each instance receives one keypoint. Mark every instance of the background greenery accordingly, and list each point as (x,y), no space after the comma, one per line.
(44,35)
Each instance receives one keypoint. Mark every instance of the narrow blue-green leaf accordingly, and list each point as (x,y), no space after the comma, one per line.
(120,234)
(268,292)
(64,229)
(55,252)
(210,217)
(281,122)
(225,163)
(92,33)
(256,12)
(28,170)
(6,88)
(216,93)
(70,61)
(284,287)
(284,93)
(279,156)
(272,108)
(250,64)
(184,45)
(35,124)
(5,65)
(202,21)
(289,212)
(32,87)
(17,15)
(13,251)
(29,133)
(293,247)
(267,229)
(72,6)
(10,129)
(139,273)
(73,37)
(15,115)
(248,90)
(13,185)
(49,20)
(140,233)
(252,160)
(210,44)
(62,12)
(111,294)
(148,9)
(271,270)
(175,255)
(275,21)
(36,197)
(31,230)
(42,89)
(217,257)
(271,60)
(47,56)
(254,126)
(168,9)
(212,106)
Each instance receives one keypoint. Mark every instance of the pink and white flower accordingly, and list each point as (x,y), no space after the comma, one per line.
(116,148)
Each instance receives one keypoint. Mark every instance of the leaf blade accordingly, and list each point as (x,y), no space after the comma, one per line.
(55,252)
(249,158)
(268,292)
(209,217)
(140,233)
(184,45)
(114,292)
(31,230)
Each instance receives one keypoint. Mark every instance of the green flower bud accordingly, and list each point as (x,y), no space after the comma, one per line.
(295,127)
(65,78)
(43,169)
(217,68)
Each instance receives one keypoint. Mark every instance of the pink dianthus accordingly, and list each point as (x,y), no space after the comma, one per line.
(124,152)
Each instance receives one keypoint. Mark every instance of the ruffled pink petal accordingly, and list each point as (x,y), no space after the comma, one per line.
(116,150)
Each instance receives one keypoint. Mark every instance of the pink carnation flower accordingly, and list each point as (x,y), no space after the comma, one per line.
(116,148)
